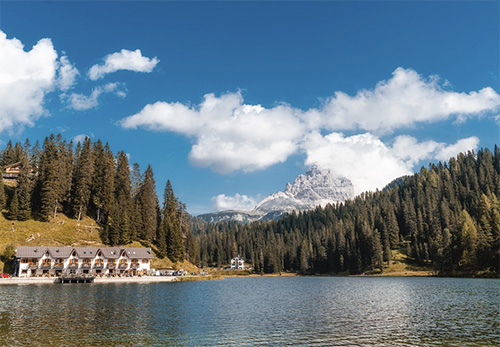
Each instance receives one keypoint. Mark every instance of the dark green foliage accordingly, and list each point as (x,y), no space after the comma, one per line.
(172,225)
(13,209)
(82,180)
(447,215)
(147,205)
(24,188)
(2,195)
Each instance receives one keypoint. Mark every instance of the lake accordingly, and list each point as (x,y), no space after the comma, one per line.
(261,311)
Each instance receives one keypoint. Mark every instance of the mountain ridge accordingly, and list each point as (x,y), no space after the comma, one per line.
(317,187)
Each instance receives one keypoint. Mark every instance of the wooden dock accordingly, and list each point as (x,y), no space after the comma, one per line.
(75,279)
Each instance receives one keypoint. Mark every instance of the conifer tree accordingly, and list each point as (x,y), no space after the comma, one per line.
(24,191)
(122,191)
(147,203)
(13,207)
(175,244)
(2,193)
(82,180)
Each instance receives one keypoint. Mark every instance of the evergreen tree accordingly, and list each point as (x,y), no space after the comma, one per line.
(175,244)
(82,180)
(13,207)
(122,193)
(147,203)
(23,191)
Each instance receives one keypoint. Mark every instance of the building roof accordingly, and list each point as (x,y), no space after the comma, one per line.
(30,251)
(84,252)
(138,252)
(60,252)
(110,252)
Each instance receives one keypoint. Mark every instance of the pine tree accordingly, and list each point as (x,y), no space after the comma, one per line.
(13,207)
(103,182)
(24,191)
(122,192)
(2,194)
(82,180)
(147,203)
(175,244)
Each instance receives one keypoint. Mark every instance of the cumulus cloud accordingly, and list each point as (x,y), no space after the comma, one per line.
(400,102)
(229,134)
(81,102)
(369,163)
(364,159)
(80,138)
(67,74)
(223,202)
(123,60)
(25,78)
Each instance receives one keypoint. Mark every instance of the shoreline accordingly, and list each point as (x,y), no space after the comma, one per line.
(51,280)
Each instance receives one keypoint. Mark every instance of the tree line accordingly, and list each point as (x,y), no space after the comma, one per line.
(447,216)
(89,180)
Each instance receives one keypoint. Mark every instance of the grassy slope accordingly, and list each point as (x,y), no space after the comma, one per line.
(64,231)
(401,266)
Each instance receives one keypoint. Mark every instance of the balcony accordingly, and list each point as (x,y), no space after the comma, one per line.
(111,266)
(134,266)
(45,266)
(123,265)
(98,266)
(86,266)
(58,266)
(32,266)
(73,266)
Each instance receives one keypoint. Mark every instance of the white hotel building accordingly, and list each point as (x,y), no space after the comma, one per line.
(53,261)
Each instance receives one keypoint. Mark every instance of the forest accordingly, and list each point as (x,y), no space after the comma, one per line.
(446,216)
(89,180)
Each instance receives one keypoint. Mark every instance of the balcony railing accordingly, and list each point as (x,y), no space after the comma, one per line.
(111,266)
(134,266)
(58,266)
(45,266)
(86,266)
(33,266)
(123,266)
(73,266)
(99,266)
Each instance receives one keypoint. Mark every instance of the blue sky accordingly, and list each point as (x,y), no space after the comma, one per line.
(231,100)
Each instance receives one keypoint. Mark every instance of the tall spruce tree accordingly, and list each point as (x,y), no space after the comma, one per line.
(122,194)
(171,223)
(82,180)
(24,188)
(147,203)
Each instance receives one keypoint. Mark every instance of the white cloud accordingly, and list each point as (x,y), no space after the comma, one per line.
(369,163)
(463,145)
(400,102)
(25,78)
(123,60)
(67,74)
(223,202)
(229,134)
(80,138)
(364,159)
(81,102)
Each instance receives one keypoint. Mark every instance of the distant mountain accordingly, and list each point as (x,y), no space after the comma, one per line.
(314,188)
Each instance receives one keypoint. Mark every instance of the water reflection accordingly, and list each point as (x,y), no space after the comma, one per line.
(318,311)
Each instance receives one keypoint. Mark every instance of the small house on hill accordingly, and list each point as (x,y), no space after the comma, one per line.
(238,263)
(12,171)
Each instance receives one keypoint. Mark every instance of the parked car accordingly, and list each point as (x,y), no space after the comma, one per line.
(4,275)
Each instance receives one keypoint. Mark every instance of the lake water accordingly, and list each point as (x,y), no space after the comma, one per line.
(281,311)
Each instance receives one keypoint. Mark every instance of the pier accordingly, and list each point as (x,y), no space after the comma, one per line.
(75,279)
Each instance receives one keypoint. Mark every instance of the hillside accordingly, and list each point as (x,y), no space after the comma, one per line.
(64,231)
(445,218)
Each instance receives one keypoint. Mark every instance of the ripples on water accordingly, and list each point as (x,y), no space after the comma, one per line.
(289,311)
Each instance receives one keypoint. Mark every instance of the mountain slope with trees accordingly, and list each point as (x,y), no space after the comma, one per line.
(89,182)
(447,216)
